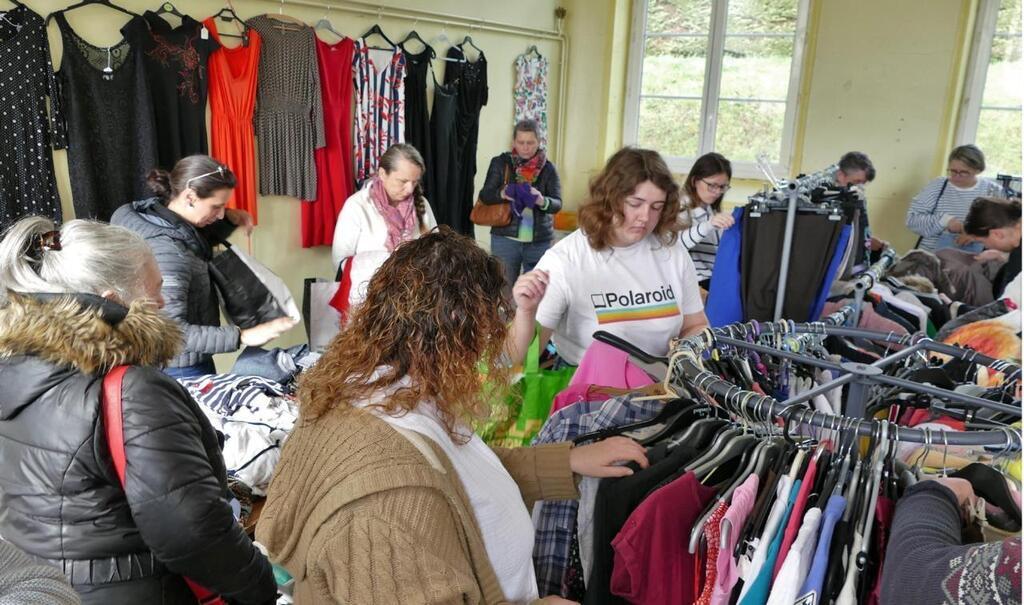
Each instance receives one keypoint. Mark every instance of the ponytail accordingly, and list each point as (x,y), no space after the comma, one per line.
(81,257)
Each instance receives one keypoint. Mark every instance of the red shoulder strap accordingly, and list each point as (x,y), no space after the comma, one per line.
(113,420)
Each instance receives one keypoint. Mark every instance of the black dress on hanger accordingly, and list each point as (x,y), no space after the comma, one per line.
(175,60)
(470,80)
(27,184)
(417,120)
(442,181)
(111,133)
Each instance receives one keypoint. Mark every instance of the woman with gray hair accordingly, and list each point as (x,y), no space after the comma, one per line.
(77,302)
(528,181)
(390,209)
(937,213)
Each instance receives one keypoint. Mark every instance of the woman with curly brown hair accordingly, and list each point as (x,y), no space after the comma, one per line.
(623,271)
(383,494)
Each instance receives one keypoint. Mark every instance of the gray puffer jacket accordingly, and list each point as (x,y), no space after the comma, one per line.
(183,254)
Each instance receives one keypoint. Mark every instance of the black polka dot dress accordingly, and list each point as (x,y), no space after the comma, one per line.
(27,184)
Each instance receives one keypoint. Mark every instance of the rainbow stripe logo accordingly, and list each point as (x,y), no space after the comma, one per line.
(610,316)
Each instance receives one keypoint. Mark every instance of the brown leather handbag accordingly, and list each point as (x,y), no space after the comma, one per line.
(492,215)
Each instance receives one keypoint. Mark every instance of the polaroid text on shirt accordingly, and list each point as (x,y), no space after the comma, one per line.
(613,307)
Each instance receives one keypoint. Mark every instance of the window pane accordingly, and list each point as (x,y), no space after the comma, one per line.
(1004,86)
(1009,16)
(679,16)
(756,68)
(762,16)
(745,130)
(675,66)
(670,126)
(999,137)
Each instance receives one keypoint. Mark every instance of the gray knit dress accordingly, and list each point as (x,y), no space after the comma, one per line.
(289,116)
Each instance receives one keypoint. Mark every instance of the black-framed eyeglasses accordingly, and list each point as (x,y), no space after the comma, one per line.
(716,187)
(954,172)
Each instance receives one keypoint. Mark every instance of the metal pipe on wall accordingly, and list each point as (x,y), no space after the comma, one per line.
(446,19)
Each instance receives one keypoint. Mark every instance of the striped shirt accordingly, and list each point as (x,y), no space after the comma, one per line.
(929,214)
(701,239)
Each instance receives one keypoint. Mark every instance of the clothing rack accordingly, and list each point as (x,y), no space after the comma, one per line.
(686,372)
(557,35)
(788,195)
(866,279)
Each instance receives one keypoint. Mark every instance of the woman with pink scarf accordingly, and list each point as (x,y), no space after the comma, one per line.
(388,210)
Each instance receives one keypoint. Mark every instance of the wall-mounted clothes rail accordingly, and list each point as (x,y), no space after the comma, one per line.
(557,35)
(686,373)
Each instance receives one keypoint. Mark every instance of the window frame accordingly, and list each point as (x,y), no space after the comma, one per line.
(712,88)
(977,72)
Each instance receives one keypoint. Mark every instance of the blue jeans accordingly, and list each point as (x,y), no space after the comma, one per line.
(202,368)
(517,257)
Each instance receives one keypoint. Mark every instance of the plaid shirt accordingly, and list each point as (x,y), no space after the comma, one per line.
(555,520)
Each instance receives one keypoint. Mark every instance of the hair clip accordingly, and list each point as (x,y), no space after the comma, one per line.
(43,242)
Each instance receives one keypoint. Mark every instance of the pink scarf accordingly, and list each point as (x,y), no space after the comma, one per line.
(400,219)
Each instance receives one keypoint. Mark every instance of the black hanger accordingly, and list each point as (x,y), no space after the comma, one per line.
(167,7)
(106,3)
(228,15)
(377,30)
(469,40)
(414,35)
(671,408)
(533,50)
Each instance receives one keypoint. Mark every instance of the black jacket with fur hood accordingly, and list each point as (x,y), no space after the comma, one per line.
(60,498)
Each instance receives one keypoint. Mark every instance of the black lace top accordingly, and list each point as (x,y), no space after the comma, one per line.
(111,133)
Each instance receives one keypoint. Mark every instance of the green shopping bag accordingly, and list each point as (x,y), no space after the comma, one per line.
(517,418)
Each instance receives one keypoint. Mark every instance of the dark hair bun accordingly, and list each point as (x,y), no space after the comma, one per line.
(159,182)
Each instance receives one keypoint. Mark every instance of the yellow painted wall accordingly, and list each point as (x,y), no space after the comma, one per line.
(884,79)
(276,240)
(881,76)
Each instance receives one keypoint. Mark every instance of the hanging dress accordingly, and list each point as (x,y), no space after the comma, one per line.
(379,77)
(470,80)
(176,60)
(289,110)
(441,178)
(232,102)
(111,132)
(417,121)
(531,92)
(27,183)
(334,176)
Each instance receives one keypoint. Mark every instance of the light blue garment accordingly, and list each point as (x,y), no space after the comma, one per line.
(762,584)
(811,589)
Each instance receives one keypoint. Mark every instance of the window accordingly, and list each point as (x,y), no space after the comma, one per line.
(715,75)
(990,116)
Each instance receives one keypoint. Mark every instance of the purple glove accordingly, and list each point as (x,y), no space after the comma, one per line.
(521,196)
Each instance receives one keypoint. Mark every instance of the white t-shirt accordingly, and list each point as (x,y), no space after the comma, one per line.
(497,503)
(639,293)
(361,233)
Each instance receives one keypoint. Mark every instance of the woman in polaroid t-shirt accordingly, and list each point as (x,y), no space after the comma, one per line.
(624,271)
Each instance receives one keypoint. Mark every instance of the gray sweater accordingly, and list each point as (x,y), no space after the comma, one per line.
(927,562)
(25,582)
(190,298)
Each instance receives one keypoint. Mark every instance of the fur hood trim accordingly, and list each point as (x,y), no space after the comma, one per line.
(71,331)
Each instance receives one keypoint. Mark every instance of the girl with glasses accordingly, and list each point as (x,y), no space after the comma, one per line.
(702,218)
